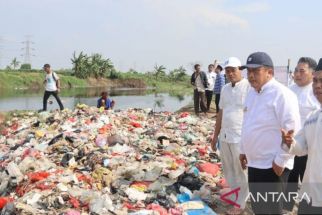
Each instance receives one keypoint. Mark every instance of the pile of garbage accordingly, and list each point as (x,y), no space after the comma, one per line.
(90,161)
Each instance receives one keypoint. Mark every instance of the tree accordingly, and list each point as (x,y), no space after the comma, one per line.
(25,66)
(159,71)
(178,74)
(15,63)
(79,63)
(91,66)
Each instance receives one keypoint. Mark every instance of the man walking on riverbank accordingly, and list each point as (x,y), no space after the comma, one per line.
(52,87)
(228,127)
(200,82)
(269,107)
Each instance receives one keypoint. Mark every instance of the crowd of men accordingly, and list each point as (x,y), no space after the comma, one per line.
(262,125)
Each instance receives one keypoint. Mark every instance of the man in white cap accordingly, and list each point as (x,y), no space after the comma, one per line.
(228,127)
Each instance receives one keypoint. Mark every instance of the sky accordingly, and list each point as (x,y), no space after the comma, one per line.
(139,34)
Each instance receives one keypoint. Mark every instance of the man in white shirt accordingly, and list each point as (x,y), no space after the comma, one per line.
(52,87)
(211,76)
(228,125)
(308,141)
(269,107)
(303,77)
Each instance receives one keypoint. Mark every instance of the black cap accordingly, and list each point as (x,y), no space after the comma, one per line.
(46,65)
(319,66)
(258,59)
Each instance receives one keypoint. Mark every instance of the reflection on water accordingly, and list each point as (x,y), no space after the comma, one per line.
(124,98)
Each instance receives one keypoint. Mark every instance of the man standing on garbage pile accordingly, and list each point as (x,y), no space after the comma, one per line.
(269,107)
(52,87)
(200,82)
(228,126)
(303,77)
(219,83)
(211,76)
(308,142)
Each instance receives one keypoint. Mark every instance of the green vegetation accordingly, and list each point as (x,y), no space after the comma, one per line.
(25,66)
(91,66)
(96,71)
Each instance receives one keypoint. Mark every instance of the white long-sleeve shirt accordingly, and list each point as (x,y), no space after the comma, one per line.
(232,101)
(211,76)
(308,141)
(306,99)
(265,114)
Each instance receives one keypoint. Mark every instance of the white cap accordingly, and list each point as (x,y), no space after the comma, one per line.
(232,62)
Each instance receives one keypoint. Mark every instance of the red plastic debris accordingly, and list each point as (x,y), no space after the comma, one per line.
(158,208)
(74,202)
(37,176)
(136,125)
(184,114)
(4,201)
(210,168)
(31,153)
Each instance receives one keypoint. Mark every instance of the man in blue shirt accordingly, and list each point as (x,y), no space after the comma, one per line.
(105,102)
(219,83)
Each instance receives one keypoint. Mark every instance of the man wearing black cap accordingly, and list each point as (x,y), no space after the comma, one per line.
(52,86)
(308,142)
(269,107)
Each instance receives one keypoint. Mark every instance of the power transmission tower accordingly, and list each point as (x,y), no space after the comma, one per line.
(28,49)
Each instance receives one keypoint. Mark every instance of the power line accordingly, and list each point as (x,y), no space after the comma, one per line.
(28,49)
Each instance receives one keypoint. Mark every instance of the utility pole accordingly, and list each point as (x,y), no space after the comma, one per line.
(28,49)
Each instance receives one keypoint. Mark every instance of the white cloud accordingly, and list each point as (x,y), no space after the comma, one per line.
(254,7)
(221,18)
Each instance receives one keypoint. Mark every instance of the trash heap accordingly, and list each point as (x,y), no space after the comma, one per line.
(90,161)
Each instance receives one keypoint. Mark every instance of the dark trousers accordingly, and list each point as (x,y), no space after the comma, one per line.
(209,94)
(217,99)
(305,208)
(263,182)
(55,94)
(199,100)
(296,173)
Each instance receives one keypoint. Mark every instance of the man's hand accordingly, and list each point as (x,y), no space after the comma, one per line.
(243,161)
(287,137)
(58,90)
(277,169)
(214,140)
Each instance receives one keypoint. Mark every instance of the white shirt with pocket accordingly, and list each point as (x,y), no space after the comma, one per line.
(232,101)
(211,76)
(308,141)
(265,114)
(306,99)
(50,82)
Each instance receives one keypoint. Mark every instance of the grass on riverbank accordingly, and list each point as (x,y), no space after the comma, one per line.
(34,81)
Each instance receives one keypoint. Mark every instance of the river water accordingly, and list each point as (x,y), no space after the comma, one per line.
(124,98)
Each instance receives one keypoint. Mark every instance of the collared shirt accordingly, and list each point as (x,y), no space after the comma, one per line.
(211,76)
(306,99)
(308,141)
(219,83)
(199,85)
(51,82)
(265,114)
(232,101)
